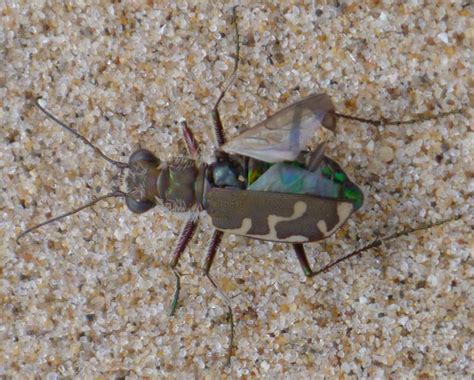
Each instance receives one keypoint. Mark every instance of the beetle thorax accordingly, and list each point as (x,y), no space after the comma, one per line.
(176,184)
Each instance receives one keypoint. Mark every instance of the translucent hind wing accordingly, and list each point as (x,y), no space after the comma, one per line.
(286,133)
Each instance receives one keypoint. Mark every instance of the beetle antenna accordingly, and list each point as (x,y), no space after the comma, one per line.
(115,194)
(378,242)
(119,164)
(384,121)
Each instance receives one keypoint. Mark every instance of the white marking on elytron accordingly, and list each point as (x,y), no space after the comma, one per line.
(322,227)
(299,208)
(344,210)
(243,229)
(294,239)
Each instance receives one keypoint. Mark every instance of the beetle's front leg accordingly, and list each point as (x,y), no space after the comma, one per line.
(301,254)
(211,253)
(184,238)
(191,144)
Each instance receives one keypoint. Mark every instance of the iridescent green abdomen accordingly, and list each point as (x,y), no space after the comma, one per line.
(326,181)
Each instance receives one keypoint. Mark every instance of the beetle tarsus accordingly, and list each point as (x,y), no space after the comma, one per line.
(230,316)
(184,238)
(384,121)
(174,303)
(218,126)
(211,253)
(378,242)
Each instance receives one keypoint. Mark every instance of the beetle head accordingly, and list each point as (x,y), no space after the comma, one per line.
(140,182)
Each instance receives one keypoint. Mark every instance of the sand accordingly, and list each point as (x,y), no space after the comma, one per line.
(88,297)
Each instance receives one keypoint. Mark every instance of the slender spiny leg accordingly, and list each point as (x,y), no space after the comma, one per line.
(316,157)
(378,242)
(211,250)
(191,144)
(384,121)
(211,253)
(218,127)
(184,238)
(301,255)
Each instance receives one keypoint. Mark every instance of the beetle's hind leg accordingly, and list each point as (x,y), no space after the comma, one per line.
(184,238)
(211,253)
(314,159)
(218,127)
(384,121)
(308,272)
(303,260)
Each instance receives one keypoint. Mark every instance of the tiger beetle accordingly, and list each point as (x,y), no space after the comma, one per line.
(263,184)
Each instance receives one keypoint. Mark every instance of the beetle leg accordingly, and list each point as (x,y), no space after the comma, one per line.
(315,158)
(378,242)
(184,238)
(384,121)
(191,144)
(218,127)
(211,253)
(211,250)
(303,260)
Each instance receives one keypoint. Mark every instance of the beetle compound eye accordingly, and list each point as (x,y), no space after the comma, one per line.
(138,207)
(143,155)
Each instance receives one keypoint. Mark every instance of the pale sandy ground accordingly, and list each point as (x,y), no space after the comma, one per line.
(89,297)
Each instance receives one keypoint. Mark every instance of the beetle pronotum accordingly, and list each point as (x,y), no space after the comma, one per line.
(263,184)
